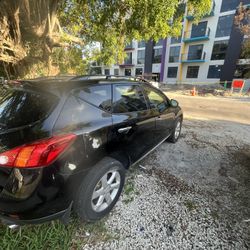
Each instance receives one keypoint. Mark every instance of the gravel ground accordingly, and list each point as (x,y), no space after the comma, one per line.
(191,195)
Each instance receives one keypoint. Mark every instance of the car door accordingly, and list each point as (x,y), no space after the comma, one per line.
(133,122)
(160,105)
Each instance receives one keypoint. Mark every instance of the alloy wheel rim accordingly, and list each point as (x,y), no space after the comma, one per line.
(177,130)
(106,191)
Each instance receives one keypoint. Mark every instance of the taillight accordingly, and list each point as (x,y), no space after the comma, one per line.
(37,154)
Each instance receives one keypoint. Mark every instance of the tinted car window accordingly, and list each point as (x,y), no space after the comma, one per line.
(78,114)
(100,96)
(156,99)
(19,107)
(128,98)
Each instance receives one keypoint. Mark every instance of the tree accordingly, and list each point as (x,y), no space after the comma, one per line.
(31,29)
(242,20)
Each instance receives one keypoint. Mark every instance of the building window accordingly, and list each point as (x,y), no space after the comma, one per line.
(214,71)
(159,43)
(176,39)
(127,72)
(224,25)
(129,46)
(199,30)
(219,50)
(128,58)
(192,71)
(141,44)
(141,56)
(116,72)
(228,5)
(95,70)
(107,72)
(174,54)
(138,71)
(195,52)
(172,72)
(157,55)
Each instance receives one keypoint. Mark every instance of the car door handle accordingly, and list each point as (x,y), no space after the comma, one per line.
(124,130)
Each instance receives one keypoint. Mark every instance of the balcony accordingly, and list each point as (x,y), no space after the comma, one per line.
(193,57)
(194,36)
(128,63)
(190,15)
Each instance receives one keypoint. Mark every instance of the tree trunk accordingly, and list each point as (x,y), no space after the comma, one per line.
(29,29)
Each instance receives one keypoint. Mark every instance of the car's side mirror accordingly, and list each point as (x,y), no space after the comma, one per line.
(174,103)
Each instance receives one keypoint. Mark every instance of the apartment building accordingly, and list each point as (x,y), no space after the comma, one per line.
(209,51)
(139,55)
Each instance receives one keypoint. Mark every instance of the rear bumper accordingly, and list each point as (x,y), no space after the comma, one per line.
(43,195)
(63,215)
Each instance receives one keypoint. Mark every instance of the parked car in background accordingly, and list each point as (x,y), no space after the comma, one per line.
(66,143)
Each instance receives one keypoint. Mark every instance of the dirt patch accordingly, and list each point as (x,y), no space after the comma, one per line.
(173,184)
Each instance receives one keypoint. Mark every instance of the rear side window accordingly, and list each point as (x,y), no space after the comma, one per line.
(99,96)
(128,98)
(79,114)
(19,107)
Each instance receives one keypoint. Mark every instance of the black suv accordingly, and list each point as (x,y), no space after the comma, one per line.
(65,144)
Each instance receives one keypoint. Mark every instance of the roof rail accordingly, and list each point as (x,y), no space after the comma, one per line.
(106,77)
(57,77)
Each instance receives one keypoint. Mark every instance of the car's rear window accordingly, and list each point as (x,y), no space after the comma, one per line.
(19,107)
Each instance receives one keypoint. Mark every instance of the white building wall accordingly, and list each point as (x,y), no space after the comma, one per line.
(121,69)
(212,22)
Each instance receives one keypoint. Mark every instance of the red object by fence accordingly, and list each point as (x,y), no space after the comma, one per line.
(238,84)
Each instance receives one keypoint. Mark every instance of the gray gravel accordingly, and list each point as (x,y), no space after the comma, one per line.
(192,195)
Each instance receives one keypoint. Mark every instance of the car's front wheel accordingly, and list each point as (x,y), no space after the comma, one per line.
(176,131)
(100,190)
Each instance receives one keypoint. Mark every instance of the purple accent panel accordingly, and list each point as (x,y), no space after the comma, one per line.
(164,48)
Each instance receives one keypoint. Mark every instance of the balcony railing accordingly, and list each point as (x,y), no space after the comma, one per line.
(128,63)
(193,36)
(129,46)
(193,57)
(190,15)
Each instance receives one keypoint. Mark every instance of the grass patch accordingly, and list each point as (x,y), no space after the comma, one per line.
(215,215)
(190,205)
(53,235)
(129,188)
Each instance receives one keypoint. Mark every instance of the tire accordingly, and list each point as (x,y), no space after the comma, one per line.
(175,135)
(86,206)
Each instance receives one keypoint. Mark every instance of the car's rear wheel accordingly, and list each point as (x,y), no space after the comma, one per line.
(100,190)
(176,131)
